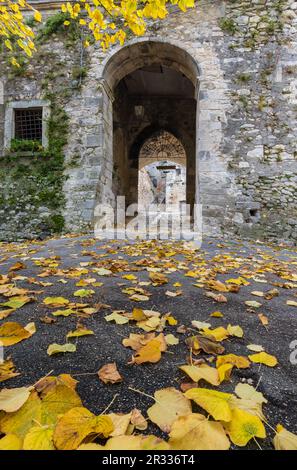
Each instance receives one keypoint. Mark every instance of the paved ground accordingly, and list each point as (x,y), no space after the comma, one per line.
(273,264)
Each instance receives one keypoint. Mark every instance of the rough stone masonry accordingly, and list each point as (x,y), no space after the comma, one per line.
(238,128)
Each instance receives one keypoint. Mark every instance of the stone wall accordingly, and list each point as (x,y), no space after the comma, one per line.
(246,135)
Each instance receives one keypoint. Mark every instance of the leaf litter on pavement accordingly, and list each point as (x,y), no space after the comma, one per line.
(193,411)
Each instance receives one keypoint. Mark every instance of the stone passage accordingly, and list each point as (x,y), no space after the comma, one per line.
(221,80)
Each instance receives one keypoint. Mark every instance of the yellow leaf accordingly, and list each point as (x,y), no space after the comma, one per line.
(138,314)
(255,347)
(202,371)
(292,303)
(60,348)
(243,427)
(57,401)
(136,443)
(240,362)
(170,404)
(151,352)
(196,432)
(10,442)
(110,374)
(13,399)
(283,439)
(12,333)
(200,325)
(79,332)
(39,438)
(219,333)
(216,314)
(120,423)
(75,425)
(264,358)
(119,319)
(252,303)
(224,371)
(171,340)
(7,370)
(63,313)
(258,293)
(84,293)
(263,319)
(214,402)
(55,301)
(21,421)
(17,302)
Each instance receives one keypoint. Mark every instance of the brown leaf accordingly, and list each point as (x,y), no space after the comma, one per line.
(206,343)
(109,373)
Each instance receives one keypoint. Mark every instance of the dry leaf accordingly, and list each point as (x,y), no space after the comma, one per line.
(214,402)
(196,432)
(170,404)
(13,399)
(60,348)
(202,371)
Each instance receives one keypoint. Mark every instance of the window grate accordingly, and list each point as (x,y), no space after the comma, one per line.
(28,124)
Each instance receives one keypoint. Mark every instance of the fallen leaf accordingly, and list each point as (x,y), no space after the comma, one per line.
(243,427)
(283,439)
(200,325)
(241,362)
(264,358)
(13,399)
(109,374)
(252,303)
(119,319)
(235,330)
(208,345)
(214,402)
(60,348)
(255,347)
(39,438)
(263,319)
(170,404)
(63,313)
(137,420)
(79,332)
(217,315)
(55,301)
(171,340)
(7,370)
(219,334)
(217,297)
(84,293)
(11,442)
(12,333)
(196,432)
(75,425)
(292,303)
(202,371)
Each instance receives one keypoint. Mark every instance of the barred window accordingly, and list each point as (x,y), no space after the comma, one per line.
(28,124)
